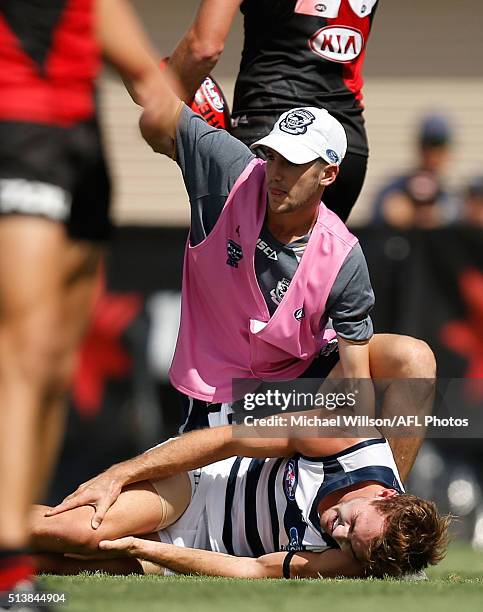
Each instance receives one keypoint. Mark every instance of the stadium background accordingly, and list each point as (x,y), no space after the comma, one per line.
(423,57)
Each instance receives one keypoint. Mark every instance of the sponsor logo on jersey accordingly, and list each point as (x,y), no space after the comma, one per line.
(297,122)
(299,314)
(34,198)
(213,95)
(337,43)
(234,252)
(290,480)
(280,290)
(267,250)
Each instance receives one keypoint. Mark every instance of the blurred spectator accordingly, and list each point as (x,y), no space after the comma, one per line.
(419,198)
(472,213)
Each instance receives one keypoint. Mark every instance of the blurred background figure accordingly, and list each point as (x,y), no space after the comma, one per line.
(54,205)
(295,53)
(419,198)
(472,205)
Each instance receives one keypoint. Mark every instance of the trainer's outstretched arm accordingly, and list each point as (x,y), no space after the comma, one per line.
(192,450)
(329,563)
(200,48)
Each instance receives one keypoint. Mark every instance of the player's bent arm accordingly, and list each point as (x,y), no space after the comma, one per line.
(200,48)
(330,563)
(126,46)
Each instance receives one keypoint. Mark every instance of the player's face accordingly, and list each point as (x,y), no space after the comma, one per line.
(293,187)
(353,524)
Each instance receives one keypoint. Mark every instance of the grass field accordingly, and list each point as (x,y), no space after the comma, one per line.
(456,585)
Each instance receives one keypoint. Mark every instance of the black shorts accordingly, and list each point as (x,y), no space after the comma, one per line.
(198,414)
(339,197)
(57,173)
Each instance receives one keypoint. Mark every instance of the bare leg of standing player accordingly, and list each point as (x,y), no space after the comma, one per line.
(46,288)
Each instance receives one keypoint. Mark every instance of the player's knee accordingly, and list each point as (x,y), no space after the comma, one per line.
(49,534)
(62,533)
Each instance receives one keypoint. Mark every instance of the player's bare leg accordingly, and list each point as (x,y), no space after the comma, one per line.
(139,510)
(30,316)
(39,295)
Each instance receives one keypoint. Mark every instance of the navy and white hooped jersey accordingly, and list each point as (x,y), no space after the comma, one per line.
(257,506)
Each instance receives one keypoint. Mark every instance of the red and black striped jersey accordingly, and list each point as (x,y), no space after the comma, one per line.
(49,58)
(305,53)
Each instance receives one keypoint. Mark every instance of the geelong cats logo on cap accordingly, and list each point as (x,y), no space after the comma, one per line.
(297,122)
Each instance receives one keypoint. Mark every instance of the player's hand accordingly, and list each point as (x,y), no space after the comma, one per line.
(100,492)
(133,547)
(130,545)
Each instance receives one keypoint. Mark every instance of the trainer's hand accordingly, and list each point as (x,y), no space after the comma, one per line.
(100,492)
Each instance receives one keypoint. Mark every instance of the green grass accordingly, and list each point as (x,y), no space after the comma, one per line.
(456,585)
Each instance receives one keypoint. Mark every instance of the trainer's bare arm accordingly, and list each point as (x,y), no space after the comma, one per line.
(200,48)
(190,451)
(330,563)
(354,359)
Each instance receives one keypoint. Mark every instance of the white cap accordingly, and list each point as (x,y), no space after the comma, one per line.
(304,134)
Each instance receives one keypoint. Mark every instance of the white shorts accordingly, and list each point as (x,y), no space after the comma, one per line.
(201,525)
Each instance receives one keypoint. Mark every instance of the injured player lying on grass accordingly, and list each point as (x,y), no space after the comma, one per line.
(218,504)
